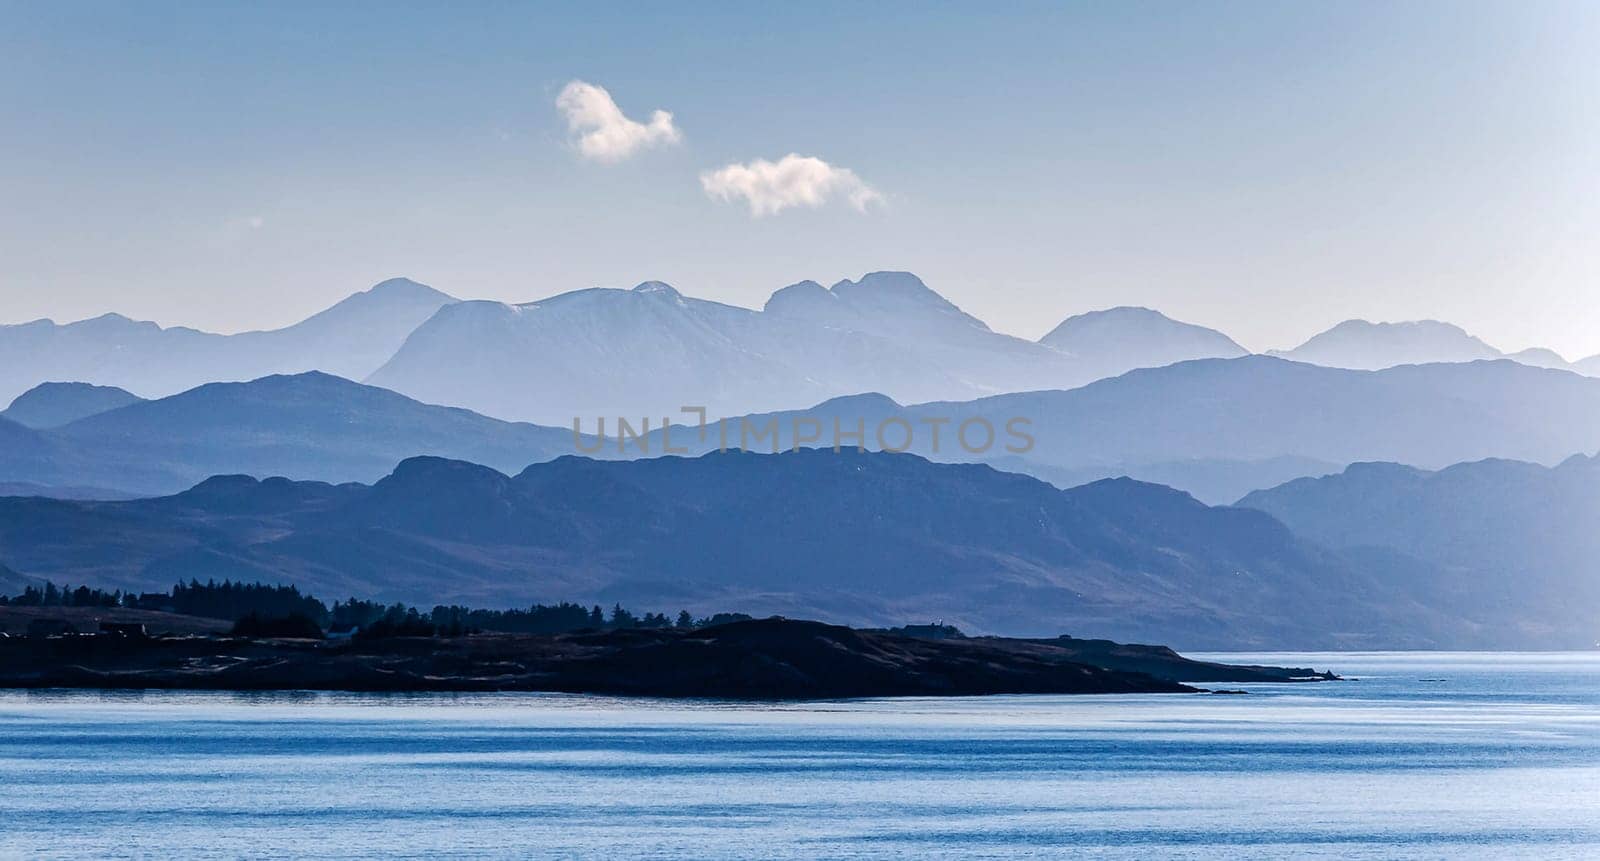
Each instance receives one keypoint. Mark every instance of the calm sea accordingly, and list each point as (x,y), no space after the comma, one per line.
(1428,755)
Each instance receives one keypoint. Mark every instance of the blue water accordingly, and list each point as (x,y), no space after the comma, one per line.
(1501,759)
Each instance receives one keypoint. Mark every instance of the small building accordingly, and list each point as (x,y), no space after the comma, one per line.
(155,601)
(933,631)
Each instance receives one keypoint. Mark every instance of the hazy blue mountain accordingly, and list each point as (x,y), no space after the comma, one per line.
(651,350)
(1521,534)
(1118,340)
(310,425)
(28,455)
(646,351)
(55,491)
(1214,481)
(1540,357)
(49,405)
(349,339)
(862,538)
(1364,345)
(892,304)
(352,338)
(1257,408)
(1215,427)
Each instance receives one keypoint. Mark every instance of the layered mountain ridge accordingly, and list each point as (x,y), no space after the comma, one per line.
(648,350)
(864,538)
(651,350)
(350,339)
(1364,345)
(1217,428)
(1520,533)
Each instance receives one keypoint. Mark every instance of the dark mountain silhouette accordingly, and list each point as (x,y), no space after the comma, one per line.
(858,538)
(1521,535)
(49,405)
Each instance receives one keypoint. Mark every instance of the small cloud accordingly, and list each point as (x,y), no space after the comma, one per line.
(769,187)
(603,132)
(255,222)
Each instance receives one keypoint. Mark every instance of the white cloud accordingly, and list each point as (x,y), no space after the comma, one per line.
(769,187)
(603,132)
(255,221)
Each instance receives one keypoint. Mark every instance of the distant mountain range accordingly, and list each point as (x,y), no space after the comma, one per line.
(49,405)
(350,339)
(861,538)
(1106,407)
(310,425)
(1517,536)
(648,350)
(1217,428)
(652,350)
(1118,340)
(1361,345)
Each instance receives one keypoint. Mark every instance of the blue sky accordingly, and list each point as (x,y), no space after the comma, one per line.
(1269,169)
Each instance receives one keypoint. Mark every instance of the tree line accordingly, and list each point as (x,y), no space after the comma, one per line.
(259,609)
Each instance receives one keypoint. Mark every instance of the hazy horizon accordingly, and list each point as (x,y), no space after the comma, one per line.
(1264,171)
(753,306)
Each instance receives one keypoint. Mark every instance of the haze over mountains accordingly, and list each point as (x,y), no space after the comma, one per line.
(1219,428)
(1371,556)
(1110,340)
(350,339)
(863,538)
(310,425)
(1215,428)
(652,350)
(49,405)
(1362,345)
(1521,535)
